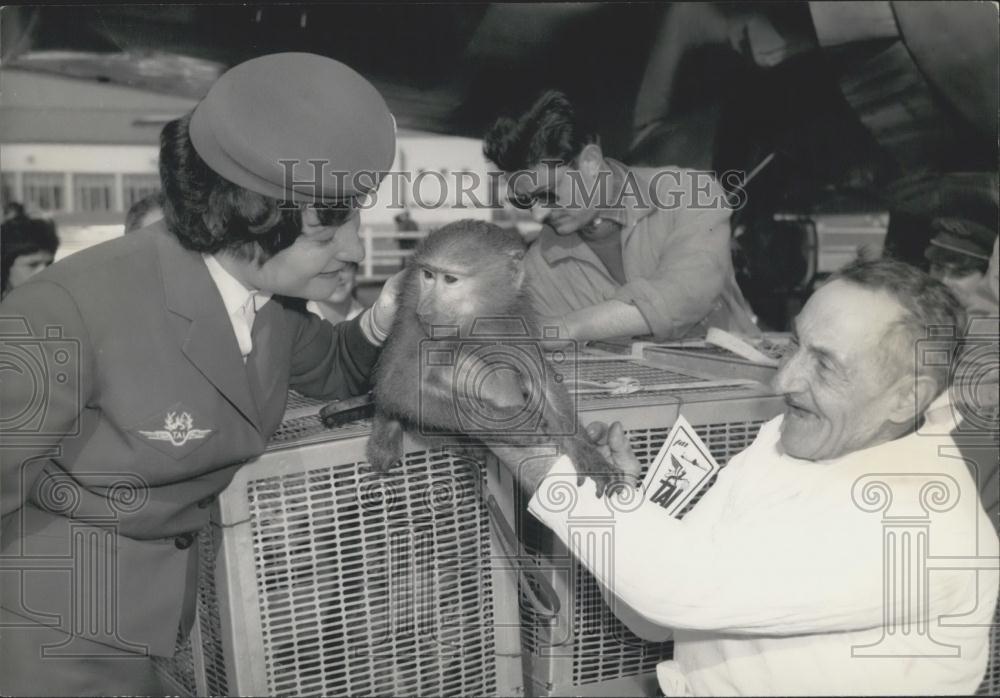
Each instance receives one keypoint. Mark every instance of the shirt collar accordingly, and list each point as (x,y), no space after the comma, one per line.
(234,294)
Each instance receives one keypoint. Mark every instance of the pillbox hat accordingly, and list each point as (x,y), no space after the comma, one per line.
(297,107)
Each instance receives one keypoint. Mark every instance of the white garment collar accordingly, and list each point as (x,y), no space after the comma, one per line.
(234,293)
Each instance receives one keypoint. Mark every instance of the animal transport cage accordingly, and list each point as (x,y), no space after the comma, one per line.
(320,577)
(691,355)
(585,649)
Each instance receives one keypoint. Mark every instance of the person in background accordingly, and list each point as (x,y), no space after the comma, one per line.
(959,256)
(405,224)
(963,256)
(626,251)
(343,303)
(27,246)
(146,210)
(13,209)
(783,579)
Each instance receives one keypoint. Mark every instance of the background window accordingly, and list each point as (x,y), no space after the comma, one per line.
(93,192)
(8,187)
(43,191)
(138,186)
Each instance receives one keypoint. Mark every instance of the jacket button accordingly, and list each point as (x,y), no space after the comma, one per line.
(206,502)
(184,541)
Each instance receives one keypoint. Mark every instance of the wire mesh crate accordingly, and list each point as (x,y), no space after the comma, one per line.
(586,649)
(329,579)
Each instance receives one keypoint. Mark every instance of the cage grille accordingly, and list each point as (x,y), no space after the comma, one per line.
(178,670)
(208,614)
(298,401)
(706,350)
(375,585)
(603,648)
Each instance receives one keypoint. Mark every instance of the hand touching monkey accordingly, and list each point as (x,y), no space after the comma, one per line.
(437,374)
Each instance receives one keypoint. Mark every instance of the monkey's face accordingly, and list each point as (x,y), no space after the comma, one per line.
(447,297)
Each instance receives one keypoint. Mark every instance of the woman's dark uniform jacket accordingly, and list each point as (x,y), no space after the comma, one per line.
(157,352)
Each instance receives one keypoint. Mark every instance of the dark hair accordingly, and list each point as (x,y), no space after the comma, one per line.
(927,303)
(548,131)
(23,236)
(140,208)
(13,209)
(208,213)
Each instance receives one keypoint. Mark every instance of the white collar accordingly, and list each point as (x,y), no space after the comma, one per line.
(234,294)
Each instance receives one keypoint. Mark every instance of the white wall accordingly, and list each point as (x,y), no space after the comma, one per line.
(51,157)
(443,155)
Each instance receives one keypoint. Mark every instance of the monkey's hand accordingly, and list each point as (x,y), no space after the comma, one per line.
(614,445)
(605,457)
(385,444)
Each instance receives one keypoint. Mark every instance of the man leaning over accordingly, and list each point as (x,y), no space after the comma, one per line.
(626,251)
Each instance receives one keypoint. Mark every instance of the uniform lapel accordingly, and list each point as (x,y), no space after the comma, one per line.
(207,339)
(260,364)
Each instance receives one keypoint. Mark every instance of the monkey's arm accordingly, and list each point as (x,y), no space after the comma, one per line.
(385,444)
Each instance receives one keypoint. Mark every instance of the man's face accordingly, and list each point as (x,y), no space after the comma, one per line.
(311,267)
(560,194)
(26,266)
(838,393)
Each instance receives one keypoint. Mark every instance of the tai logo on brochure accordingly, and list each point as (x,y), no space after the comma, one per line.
(682,468)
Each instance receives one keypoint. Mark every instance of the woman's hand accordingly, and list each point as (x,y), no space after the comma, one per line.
(383,312)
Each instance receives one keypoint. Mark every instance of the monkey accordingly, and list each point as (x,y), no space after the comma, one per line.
(465,281)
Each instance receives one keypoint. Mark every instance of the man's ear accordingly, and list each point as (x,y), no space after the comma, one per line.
(591,159)
(911,397)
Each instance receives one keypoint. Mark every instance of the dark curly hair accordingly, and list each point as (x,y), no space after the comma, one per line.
(22,236)
(548,131)
(208,213)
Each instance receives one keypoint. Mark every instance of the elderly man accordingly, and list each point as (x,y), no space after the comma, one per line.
(625,251)
(791,575)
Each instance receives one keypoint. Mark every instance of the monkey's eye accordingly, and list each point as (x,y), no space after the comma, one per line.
(450,279)
(428,274)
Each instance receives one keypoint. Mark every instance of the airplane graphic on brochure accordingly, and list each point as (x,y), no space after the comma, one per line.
(681,470)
